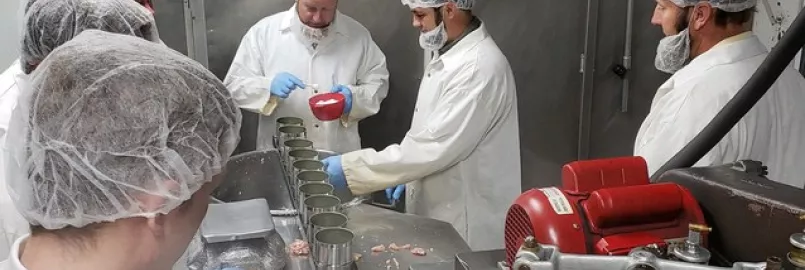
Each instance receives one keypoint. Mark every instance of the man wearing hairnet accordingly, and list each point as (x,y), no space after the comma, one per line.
(461,157)
(119,171)
(711,53)
(47,25)
(310,49)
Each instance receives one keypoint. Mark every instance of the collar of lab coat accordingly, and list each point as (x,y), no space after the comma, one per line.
(292,15)
(9,77)
(724,53)
(14,255)
(468,42)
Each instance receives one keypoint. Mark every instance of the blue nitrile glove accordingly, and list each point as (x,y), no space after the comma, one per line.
(344,90)
(332,165)
(284,83)
(393,194)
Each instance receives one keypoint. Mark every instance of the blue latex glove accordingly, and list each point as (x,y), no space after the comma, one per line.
(393,194)
(332,165)
(284,83)
(344,90)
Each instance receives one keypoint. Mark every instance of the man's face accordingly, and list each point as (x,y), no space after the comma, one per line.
(424,19)
(317,13)
(669,16)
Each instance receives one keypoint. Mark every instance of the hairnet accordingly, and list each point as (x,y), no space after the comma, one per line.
(48,24)
(107,120)
(461,4)
(725,5)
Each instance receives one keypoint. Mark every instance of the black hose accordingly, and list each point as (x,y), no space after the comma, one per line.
(760,82)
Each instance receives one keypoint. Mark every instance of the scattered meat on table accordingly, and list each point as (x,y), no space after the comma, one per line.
(379,248)
(299,248)
(395,247)
(419,251)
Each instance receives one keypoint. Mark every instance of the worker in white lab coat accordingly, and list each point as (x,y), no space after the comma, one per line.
(460,160)
(49,24)
(309,49)
(712,54)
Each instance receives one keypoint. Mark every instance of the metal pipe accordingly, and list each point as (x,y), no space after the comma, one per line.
(627,55)
(754,89)
(588,78)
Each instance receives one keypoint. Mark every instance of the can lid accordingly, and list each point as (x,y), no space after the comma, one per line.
(797,240)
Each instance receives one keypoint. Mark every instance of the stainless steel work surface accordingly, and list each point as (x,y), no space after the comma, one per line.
(259,175)
(433,266)
(374,226)
(481,260)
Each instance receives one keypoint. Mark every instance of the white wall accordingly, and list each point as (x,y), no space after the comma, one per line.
(773,19)
(9,31)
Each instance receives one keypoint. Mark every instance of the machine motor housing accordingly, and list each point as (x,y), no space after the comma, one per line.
(605,207)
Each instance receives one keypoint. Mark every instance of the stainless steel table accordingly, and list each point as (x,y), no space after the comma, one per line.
(260,175)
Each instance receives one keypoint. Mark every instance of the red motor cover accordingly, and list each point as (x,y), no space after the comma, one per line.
(636,205)
(610,209)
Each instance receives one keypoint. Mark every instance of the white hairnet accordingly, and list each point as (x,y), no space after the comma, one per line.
(461,4)
(50,23)
(109,120)
(725,5)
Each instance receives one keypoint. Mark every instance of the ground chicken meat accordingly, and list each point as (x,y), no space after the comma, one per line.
(395,247)
(299,248)
(418,252)
(379,248)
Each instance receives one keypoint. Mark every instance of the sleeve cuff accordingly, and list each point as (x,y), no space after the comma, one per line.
(351,164)
(269,106)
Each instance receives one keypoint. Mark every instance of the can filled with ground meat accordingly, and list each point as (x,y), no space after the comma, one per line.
(333,248)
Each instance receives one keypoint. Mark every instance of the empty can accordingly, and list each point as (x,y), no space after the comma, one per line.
(318,204)
(307,189)
(291,145)
(325,220)
(284,122)
(312,176)
(333,248)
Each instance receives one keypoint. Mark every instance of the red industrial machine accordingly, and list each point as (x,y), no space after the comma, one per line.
(605,207)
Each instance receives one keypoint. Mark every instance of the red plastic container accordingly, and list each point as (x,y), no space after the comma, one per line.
(327,112)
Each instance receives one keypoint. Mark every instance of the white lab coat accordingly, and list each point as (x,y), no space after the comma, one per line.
(12,224)
(348,57)
(461,157)
(772,132)
(12,262)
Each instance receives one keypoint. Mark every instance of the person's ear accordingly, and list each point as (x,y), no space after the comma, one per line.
(150,203)
(701,14)
(450,10)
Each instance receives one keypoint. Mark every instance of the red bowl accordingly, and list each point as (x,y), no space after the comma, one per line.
(327,112)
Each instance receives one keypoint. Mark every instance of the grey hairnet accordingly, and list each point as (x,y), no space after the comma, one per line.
(725,5)
(50,23)
(461,4)
(109,119)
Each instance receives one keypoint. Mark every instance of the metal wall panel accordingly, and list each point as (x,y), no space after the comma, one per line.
(613,131)
(390,25)
(543,41)
(171,24)
(227,21)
